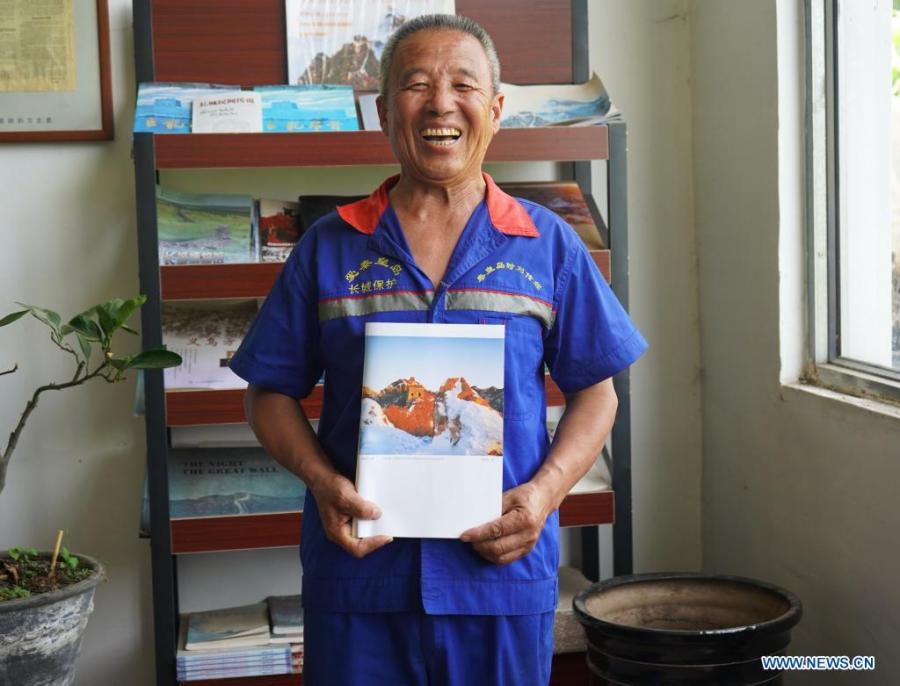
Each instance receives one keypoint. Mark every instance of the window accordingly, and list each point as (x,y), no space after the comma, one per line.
(853,205)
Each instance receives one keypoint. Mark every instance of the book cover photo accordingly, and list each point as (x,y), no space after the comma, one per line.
(230,481)
(431,428)
(204,228)
(338,41)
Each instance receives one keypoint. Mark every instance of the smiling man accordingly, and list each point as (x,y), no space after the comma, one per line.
(440,242)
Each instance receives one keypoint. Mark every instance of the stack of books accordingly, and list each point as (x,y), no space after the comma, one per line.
(231,642)
(259,639)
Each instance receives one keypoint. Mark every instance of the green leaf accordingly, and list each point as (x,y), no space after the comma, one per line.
(106,315)
(157,358)
(42,314)
(128,308)
(85,327)
(13,316)
(20,552)
(85,347)
(130,330)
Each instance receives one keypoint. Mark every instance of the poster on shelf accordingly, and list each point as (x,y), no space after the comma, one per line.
(206,335)
(340,41)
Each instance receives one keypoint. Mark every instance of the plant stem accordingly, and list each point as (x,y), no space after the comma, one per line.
(77,380)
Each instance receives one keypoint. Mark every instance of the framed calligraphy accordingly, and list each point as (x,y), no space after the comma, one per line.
(55,71)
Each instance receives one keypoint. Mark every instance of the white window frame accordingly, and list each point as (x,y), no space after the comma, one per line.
(826,367)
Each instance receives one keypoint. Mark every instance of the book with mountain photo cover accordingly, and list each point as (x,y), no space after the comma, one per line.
(431,428)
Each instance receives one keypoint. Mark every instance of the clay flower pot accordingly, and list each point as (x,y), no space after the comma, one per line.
(40,636)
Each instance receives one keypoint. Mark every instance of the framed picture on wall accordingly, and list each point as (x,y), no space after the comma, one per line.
(55,71)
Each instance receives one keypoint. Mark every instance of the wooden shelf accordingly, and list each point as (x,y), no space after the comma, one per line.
(340,148)
(246,532)
(197,408)
(218,281)
(251,280)
(569,669)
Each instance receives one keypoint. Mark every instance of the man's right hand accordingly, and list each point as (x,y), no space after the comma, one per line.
(339,503)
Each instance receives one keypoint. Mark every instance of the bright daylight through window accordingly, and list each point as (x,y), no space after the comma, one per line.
(856,64)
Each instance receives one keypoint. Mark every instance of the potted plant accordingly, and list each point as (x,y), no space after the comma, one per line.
(45,598)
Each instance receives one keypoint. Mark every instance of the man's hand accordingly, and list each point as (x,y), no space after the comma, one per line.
(339,503)
(515,533)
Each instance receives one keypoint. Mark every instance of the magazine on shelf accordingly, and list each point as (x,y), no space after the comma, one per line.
(279,228)
(230,627)
(368,112)
(206,335)
(579,104)
(431,428)
(167,107)
(204,228)
(341,42)
(566,199)
(232,112)
(293,109)
(217,482)
(313,207)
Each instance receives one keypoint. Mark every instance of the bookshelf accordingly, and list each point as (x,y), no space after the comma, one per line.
(181,40)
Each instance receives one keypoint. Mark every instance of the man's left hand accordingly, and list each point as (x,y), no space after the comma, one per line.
(515,533)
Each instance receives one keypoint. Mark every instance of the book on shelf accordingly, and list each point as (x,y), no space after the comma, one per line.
(230,112)
(580,104)
(431,428)
(295,109)
(230,627)
(368,112)
(286,615)
(341,42)
(167,107)
(313,207)
(206,335)
(279,228)
(220,482)
(565,199)
(204,228)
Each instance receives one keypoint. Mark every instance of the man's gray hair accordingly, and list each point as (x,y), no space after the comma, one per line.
(439,22)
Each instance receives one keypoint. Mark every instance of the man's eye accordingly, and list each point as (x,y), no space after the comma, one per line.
(463,86)
(418,86)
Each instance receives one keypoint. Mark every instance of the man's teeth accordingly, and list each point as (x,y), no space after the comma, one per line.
(443,136)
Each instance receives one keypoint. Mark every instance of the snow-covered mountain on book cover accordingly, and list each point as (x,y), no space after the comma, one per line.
(431,428)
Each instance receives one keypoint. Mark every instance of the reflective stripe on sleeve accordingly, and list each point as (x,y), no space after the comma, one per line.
(498,301)
(392,301)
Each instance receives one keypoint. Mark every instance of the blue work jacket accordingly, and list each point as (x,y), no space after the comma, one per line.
(516,263)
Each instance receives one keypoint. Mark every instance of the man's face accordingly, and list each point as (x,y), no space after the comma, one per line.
(440,112)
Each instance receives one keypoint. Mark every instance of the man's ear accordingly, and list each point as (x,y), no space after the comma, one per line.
(381,106)
(496,111)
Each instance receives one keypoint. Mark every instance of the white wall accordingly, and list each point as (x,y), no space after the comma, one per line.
(798,488)
(641,50)
(68,233)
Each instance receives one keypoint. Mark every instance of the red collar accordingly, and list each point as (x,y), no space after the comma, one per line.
(507,215)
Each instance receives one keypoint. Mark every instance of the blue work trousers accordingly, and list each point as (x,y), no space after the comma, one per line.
(416,649)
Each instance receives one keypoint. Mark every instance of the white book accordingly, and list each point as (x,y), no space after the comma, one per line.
(431,428)
(230,112)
